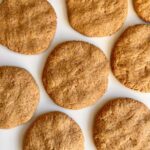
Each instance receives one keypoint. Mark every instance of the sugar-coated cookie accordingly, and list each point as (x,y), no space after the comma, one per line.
(27,26)
(142,7)
(97,18)
(130,59)
(54,131)
(19,96)
(76,74)
(122,124)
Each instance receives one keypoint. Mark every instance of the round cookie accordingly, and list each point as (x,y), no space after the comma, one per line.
(19,96)
(27,26)
(54,131)
(142,7)
(122,124)
(76,74)
(97,18)
(130,58)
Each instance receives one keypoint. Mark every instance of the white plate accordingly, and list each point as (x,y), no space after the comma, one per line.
(12,139)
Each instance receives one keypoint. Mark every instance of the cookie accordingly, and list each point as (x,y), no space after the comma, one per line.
(142,7)
(54,131)
(97,18)
(27,26)
(130,59)
(19,96)
(122,124)
(76,74)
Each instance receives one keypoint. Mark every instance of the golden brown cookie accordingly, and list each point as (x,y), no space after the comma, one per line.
(54,131)
(142,7)
(76,74)
(98,17)
(131,58)
(19,96)
(122,124)
(27,26)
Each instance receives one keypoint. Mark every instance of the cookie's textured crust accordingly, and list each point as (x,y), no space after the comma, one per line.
(27,26)
(19,96)
(122,124)
(54,131)
(131,58)
(98,17)
(76,74)
(142,7)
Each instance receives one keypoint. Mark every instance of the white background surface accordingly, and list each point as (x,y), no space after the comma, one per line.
(12,139)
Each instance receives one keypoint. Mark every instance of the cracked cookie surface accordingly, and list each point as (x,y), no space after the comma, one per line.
(27,26)
(54,131)
(76,74)
(130,59)
(19,96)
(142,7)
(122,124)
(97,17)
